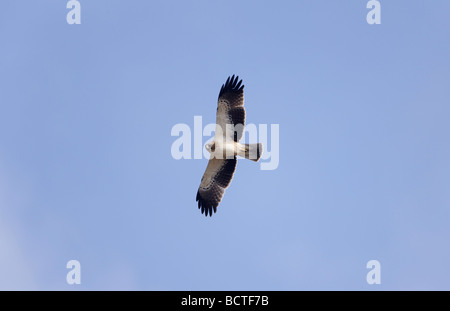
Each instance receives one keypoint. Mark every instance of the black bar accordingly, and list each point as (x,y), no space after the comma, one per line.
(223,300)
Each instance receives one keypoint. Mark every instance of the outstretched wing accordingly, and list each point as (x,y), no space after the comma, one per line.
(230,109)
(215,180)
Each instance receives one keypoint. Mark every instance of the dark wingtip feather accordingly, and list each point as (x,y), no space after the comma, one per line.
(231,85)
(205,206)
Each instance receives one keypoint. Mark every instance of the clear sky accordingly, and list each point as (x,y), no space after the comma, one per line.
(86,171)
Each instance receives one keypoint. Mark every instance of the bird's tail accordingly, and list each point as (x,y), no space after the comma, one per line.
(252,151)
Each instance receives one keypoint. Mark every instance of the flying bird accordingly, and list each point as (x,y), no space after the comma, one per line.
(225,146)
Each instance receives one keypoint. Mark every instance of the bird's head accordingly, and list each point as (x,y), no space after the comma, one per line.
(210,146)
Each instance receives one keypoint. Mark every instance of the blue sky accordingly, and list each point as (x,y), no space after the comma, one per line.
(86,171)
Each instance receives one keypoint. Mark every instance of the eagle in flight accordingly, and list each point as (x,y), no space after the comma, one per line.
(225,146)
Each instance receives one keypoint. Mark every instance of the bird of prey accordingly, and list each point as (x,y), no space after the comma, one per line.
(225,146)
